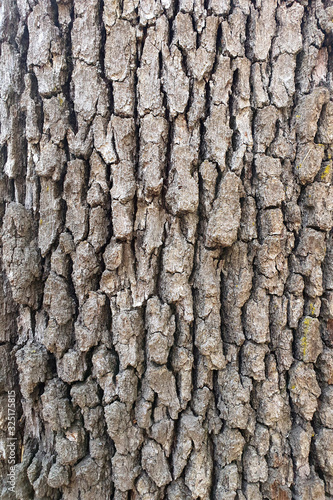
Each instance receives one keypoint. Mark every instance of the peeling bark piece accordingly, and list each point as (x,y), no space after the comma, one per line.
(21,256)
(325,129)
(304,389)
(126,436)
(81,143)
(178,490)
(325,407)
(220,7)
(98,227)
(127,387)
(183,191)
(198,472)
(264,128)
(221,81)
(153,142)
(125,469)
(271,405)
(201,60)
(207,306)
(87,89)
(196,111)
(57,338)
(261,30)
(37,473)
(323,447)
(209,343)
(307,113)
(308,341)
(234,398)
(282,87)
(119,50)
(56,115)
(32,364)
(259,81)
(155,463)
(318,203)
(150,99)
(86,267)
(228,482)
(184,33)
(113,255)
(300,440)
(161,327)
(325,366)
(57,299)
(163,433)
(257,317)
(124,97)
(228,446)
(103,361)
(50,212)
(92,323)
(312,242)
(124,137)
(191,435)
(97,194)
(58,476)
(233,34)
(312,487)
(289,37)
(46,50)
(237,284)
(33,108)
(208,174)
(60,263)
(253,360)
(175,82)
(103,139)
(150,225)
(85,394)
(123,188)
(308,162)
(85,33)
(218,134)
(127,330)
(146,488)
(88,475)
(225,216)
(57,410)
(269,186)
(74,189)
(162,382)
(122,219)
(72,446)
(177,261)
(271,223)
(52,160)
(255,467)
(72,366)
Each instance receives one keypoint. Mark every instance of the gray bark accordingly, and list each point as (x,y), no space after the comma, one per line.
(166,249)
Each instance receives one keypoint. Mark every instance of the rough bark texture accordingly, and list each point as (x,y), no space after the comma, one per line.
(167,249)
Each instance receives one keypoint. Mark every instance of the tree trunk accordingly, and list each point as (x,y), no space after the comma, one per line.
(167,249)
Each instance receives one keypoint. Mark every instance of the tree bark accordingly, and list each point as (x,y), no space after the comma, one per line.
(167,250)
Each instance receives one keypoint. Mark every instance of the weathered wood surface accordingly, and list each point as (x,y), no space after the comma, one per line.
(166,248)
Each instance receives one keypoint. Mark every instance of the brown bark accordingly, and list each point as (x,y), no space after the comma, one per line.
(166,260)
